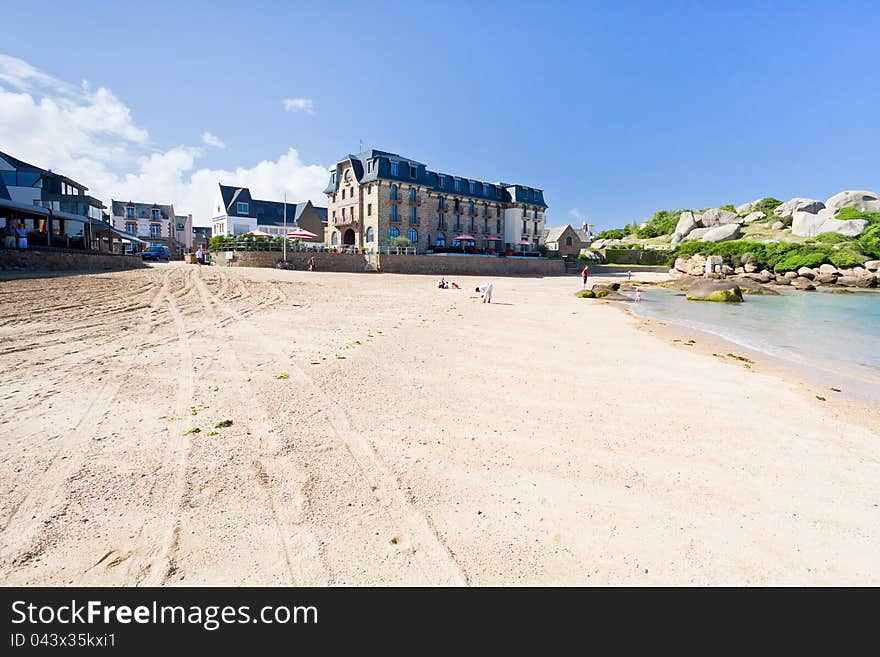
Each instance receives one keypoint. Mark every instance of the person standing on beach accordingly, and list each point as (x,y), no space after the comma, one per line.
(9,235)
(200,256)
(21,234)
(311,263)
(638,295)
(629,275)
(585,274)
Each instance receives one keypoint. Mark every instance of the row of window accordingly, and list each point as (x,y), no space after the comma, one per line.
(155,213)
(155,229)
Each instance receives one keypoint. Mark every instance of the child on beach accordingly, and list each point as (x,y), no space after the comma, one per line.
(585,273)
(638,295)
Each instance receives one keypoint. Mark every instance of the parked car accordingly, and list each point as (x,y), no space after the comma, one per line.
(157,253)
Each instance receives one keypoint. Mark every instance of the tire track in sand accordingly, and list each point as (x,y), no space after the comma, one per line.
(416,525)
(43,496)
(162,565)
(301,554)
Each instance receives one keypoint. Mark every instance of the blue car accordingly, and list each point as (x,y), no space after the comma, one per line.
(157,253)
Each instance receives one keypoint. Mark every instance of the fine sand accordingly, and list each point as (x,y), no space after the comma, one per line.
(387,432)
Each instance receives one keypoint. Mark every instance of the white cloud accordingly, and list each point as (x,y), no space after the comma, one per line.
(210,139)
(299,105)
(92,137)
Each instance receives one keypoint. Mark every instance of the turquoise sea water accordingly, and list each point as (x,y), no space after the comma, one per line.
(829,335)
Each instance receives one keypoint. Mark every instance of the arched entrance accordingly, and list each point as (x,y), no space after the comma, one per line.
(348,237)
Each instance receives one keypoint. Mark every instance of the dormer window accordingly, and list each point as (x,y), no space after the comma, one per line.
(472,187)
(412,171)
(394,168)
(242,208)
(129,212)
(440,181)
(457,185)
(156,214)
(347,175)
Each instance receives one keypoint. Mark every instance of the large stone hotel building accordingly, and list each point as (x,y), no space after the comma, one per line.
(376,196)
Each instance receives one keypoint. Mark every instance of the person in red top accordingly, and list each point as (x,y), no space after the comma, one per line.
(585,273)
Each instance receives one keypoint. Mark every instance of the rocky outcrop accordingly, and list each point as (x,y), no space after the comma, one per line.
(860,200)
(802,283)
(747,208)
(722,233)
(697,233)
(686,223)
(807,224)
(778,226)
(718,291)
(718,217)
(872,265)
(753,216)
(791,206)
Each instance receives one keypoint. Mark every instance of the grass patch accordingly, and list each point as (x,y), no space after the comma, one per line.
(223,424)
(740,358)
(282,376)
(193,430)
(212,433)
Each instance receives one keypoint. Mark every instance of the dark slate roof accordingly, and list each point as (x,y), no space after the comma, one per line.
(265,212)
(441,182)
(4,193)
(20,165)
(141,210)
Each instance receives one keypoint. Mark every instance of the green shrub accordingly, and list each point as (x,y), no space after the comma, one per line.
(767,205)
(832,238)
(611,234)
(869,241)
(729,207)
(401,241)
(846,257)
(586,294)
(661,222)
(802,258)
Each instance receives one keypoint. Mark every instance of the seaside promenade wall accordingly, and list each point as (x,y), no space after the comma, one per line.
(464,266)
(61,260)
(400,264)
(341,262)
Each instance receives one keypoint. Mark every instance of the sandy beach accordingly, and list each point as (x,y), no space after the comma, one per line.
(384,431)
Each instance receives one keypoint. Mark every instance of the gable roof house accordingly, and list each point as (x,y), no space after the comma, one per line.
(565,240)
(154,223)
(240,213)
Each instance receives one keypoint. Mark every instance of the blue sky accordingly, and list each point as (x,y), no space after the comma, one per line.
(614,109)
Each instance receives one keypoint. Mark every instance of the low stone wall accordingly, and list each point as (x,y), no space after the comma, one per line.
(37,260)
(651,257)
(476,266)
(342,262)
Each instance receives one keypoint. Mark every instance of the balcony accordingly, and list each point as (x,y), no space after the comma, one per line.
(346,221)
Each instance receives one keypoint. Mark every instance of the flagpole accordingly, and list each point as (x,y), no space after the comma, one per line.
(284,244)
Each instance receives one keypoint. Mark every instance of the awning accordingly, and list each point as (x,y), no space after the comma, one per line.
(23,207)
(103,227)
(464,238)
(492,238)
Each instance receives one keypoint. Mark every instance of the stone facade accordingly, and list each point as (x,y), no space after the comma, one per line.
(368,209)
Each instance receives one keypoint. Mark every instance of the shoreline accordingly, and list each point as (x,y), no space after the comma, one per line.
(840,404)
